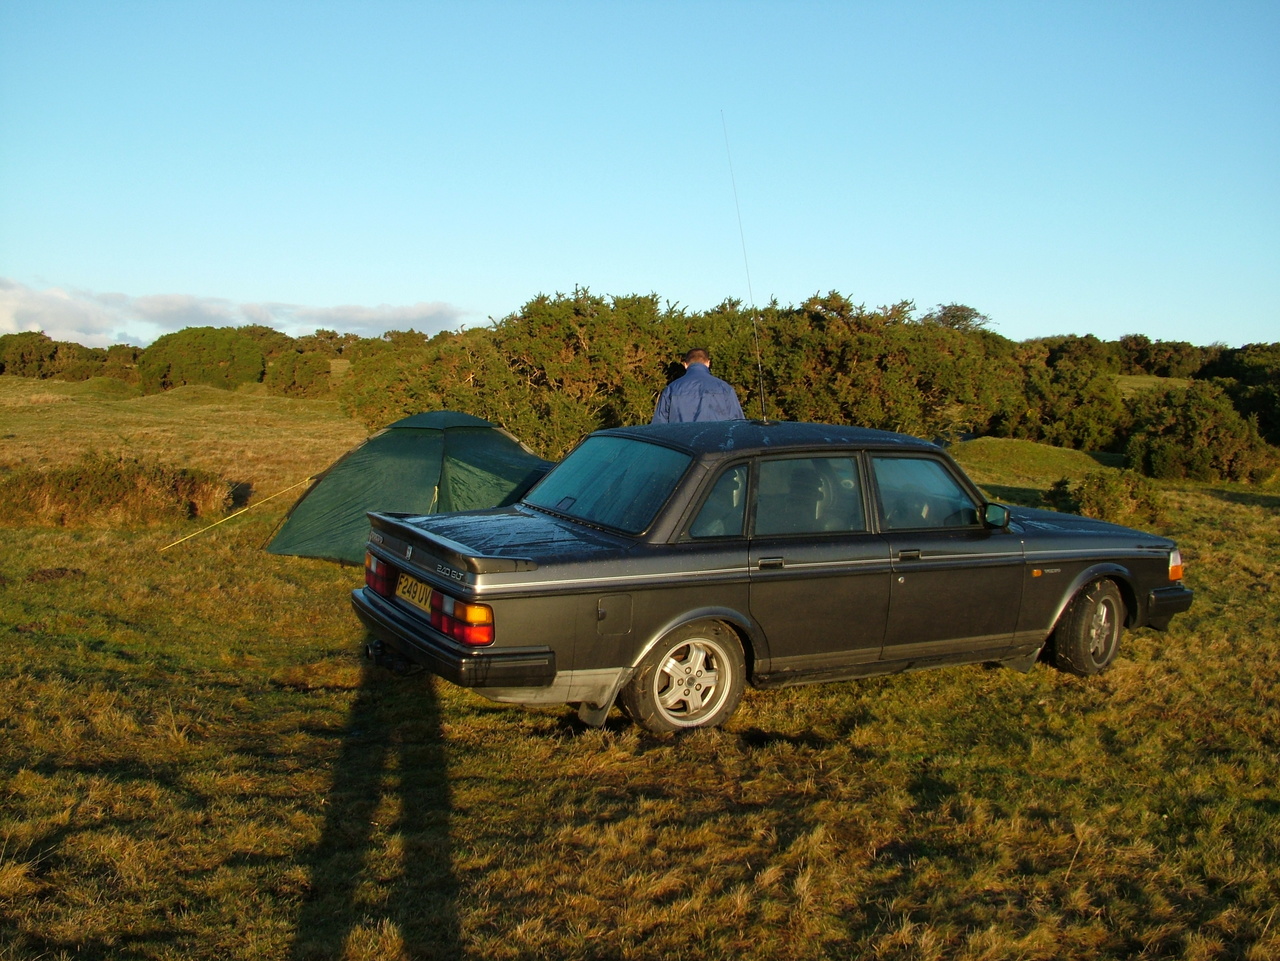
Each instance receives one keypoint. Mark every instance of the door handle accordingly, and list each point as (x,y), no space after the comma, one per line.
(912,555)
(770,563)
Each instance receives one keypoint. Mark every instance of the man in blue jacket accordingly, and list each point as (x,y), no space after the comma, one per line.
(697,395)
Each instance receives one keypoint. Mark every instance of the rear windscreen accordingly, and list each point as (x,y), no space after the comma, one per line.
(615,482)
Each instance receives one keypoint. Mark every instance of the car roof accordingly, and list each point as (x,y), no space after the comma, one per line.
(742,436)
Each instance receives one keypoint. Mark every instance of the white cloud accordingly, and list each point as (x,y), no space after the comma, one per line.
(102,319)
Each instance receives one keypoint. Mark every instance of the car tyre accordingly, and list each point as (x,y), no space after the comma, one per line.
(1088,637)
(692,678)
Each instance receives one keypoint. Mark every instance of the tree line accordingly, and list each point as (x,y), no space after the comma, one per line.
(567,364)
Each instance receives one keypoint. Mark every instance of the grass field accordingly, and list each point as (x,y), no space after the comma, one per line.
(194,762)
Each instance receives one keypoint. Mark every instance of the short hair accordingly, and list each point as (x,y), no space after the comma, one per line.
(697,355)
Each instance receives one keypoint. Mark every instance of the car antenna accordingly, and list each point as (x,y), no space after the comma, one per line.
(755,314)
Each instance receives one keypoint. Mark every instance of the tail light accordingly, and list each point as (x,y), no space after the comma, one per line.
(1175,565)
(379,576)
(469,623)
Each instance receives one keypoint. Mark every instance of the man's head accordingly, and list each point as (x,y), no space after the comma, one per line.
(697,355)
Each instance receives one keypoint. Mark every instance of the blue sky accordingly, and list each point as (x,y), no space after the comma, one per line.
(1070,167)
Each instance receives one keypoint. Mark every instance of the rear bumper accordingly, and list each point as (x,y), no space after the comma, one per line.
(464,666)
(1164,602)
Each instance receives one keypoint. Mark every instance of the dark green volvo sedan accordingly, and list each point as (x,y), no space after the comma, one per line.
(664,567)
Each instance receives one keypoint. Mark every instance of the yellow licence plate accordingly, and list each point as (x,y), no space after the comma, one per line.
(414,591)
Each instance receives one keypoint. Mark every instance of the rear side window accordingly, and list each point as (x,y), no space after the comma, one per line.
(809,495)
(614,482)
(918,492)
(722,512)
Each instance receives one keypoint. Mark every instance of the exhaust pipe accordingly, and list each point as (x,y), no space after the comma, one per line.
(392,661)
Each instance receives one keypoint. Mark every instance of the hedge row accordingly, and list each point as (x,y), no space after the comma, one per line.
(568,364)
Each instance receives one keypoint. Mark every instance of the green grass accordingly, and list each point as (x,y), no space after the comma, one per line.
(194,762)
(1131,384)
(1020,471)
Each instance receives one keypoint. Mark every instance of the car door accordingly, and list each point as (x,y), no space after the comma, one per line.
(956,584)
(819,577)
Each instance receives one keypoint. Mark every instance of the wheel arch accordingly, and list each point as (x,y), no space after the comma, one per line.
(749,637)
(1109,571)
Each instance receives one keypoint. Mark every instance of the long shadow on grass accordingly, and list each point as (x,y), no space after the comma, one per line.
(1024,496)
(381,881)
(1249,499)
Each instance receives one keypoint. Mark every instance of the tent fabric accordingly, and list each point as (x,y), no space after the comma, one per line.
(424,464)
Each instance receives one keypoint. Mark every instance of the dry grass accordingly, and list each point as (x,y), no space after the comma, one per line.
(266,443)
(194,763)
(111,491)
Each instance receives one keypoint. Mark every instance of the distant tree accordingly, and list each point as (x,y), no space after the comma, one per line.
(957,317)
(568,364)
(34,354)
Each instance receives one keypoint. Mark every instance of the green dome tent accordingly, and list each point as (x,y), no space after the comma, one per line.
(425,464)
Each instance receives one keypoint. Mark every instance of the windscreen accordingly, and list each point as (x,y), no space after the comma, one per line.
(615,482)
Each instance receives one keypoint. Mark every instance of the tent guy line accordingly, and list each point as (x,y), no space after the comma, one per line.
(305,480)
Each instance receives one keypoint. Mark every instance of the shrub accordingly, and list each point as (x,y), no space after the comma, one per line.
(1195,433)
(122,363)
(566,365)
(298,375)
(110,490)
(1121,497)
(1250,376)
(270,341)
(1071,404)
(216,356)
(28,354)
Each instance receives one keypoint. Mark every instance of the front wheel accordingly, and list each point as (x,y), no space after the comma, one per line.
(692,678)
(1088,637)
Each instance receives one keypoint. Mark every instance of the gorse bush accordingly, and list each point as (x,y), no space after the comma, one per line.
(1194,433)
(1121,497)
(1251,378)
(216,356)
(294,374)
(565,365)
(110,490)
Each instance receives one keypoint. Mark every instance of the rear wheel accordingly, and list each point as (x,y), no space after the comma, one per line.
(692,678)
(1088,636)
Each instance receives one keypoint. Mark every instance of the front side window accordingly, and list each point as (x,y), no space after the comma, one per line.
(809,495)
(918,492)
(615,482)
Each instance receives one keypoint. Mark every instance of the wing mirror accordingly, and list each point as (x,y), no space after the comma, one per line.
(995,515)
